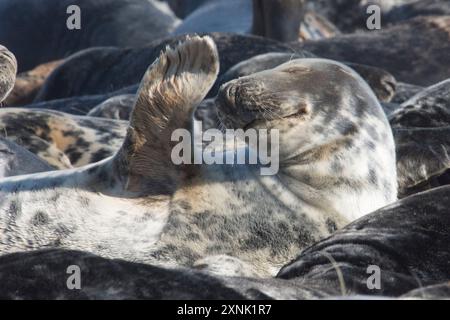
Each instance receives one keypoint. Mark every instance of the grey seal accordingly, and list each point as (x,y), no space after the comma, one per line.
(408,50)
(117,107)
(112,69)
(342,168)
(81,139)
(15,160)
(429,108)
(43,35)
(282,20)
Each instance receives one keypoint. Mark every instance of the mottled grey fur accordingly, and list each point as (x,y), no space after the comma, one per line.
(8,70)
(382,83)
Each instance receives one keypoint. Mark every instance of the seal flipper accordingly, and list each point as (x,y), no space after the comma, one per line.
(170,90)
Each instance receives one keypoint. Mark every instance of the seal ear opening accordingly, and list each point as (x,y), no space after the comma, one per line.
(173,86)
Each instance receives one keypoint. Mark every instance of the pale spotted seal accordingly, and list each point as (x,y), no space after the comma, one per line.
(8,70)
(337,163)
(44,35)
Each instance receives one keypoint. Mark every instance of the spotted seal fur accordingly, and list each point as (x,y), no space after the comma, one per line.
(44,35)
(382,82)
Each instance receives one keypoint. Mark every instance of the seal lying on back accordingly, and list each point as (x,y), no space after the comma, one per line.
(336,164)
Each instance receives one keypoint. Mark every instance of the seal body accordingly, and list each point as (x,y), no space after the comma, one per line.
(140,205)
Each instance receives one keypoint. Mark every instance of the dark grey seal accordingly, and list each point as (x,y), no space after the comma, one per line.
(81,105)
(411,9)
(351,15)
(414,51)
(282,20)
(407,240)
(404,91)
(36,30)
(438,291)
(111,69)
(430,108)
(182,8)
(8,70)
(422,133)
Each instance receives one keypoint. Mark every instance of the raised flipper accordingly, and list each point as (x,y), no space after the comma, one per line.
(170,90)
